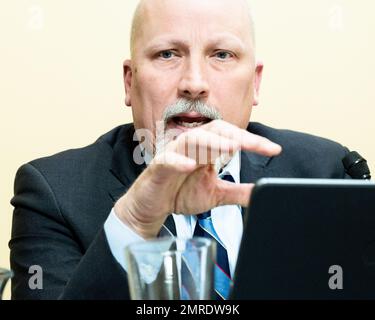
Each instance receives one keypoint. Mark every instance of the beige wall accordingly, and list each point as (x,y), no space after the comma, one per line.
(61,76)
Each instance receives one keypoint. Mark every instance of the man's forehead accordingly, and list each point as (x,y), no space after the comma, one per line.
(162,15)
(185,3)
(231,9)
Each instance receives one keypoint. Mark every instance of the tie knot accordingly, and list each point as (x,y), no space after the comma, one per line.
(204,215)
(227,177)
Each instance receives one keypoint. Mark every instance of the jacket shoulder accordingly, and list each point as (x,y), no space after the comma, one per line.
(293,139)
(98,153)
(305,154)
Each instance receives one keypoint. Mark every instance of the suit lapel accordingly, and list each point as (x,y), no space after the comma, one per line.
(252,167)
(125,170)
(170,227)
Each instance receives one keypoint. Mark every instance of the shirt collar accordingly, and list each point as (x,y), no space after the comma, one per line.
(232,168)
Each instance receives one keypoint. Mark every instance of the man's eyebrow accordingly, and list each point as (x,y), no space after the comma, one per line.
(224,39)
(163,42)
(228,39)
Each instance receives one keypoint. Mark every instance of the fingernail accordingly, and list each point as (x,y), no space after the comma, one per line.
(277,148)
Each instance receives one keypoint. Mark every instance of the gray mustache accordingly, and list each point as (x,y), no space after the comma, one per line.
(186,106)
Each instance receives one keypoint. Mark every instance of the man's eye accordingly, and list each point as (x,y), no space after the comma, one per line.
(223,55)
(167,54)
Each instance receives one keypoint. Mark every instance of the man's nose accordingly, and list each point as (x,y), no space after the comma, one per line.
(193,84)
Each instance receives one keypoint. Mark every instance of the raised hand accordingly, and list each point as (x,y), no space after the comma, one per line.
(182,179)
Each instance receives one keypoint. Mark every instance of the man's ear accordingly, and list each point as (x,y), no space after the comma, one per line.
(128,73)
(257,81)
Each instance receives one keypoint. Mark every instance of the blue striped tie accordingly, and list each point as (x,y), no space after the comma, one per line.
(204,228)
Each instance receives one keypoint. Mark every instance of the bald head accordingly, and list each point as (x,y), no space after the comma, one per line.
(236,10)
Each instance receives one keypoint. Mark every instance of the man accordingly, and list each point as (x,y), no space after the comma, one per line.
(193,73)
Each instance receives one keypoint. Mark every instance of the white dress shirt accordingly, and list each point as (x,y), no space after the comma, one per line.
(227,221)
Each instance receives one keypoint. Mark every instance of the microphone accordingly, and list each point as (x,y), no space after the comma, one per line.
(356,166)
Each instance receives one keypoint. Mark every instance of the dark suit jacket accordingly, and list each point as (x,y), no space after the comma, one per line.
(61,203)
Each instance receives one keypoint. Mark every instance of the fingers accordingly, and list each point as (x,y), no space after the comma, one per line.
(173,162)
(203,146)
(219,138)
(248,141)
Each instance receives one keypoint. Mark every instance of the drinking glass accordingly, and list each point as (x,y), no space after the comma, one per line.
(171,269)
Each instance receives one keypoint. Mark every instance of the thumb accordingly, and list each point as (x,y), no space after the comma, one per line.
(235,193)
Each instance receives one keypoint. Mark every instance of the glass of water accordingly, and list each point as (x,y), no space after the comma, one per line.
(171,269)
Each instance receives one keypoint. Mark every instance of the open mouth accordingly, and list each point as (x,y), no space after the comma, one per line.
(188,120)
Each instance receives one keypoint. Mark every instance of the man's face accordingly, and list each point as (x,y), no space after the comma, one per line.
(194,50)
